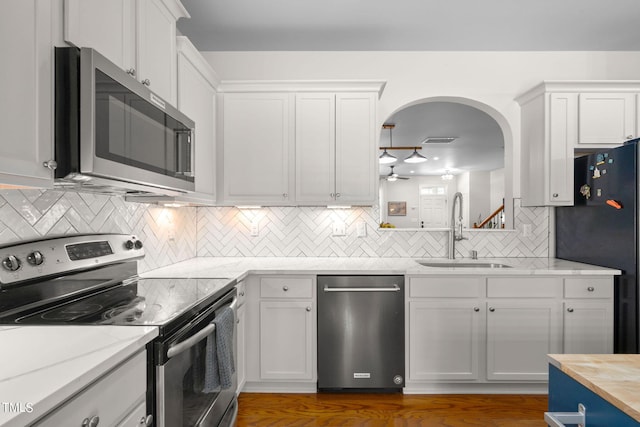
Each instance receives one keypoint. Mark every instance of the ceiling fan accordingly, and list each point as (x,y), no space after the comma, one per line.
(394,176)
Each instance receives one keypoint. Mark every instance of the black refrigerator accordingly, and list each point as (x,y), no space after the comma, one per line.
(602,229)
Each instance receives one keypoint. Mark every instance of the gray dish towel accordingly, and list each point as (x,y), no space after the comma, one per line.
(219,364)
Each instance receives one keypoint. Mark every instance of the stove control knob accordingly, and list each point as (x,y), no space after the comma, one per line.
(129,244)
(35,258)
(138,244)
(11,263)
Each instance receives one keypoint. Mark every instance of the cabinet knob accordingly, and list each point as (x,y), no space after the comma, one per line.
(242,293)
(337,195)
(629,136)
(570,310)
(285,195)
(591,289)
(146,82)
(308,308)
(131,72)
(332,195)
(146,421)
(476,309)
(491,309)
(285,288)
(91,422)
(51,164)
(555,194)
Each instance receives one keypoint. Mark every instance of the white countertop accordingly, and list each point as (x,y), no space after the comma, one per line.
(238,267)
(42,366)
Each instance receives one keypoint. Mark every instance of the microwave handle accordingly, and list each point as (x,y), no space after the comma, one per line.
(188,170)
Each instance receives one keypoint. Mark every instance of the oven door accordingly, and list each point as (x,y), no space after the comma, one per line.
(181,399)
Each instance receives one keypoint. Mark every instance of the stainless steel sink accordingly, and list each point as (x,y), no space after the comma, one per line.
(463,264)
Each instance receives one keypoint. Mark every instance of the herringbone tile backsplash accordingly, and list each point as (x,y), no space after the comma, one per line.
(169,234)
(175,234)
(307,231)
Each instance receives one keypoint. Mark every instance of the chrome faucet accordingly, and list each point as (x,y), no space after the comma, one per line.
(453,237)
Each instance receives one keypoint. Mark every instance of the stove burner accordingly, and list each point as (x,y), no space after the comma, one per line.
(128,312)
(72,313)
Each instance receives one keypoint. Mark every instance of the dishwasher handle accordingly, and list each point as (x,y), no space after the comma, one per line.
(394,288)
(561,419)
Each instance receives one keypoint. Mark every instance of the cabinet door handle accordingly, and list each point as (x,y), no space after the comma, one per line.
(332,195)
(285,195)
(555,194)
(491,309)
(146,82)
(337,195)
(308,308)
(476,309)
(285,288)
(629,136)
(131,72)
(570,310)
(591,289)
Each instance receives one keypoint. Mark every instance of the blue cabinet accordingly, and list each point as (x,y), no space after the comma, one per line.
(565,394)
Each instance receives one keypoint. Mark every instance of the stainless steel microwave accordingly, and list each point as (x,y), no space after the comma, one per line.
(112,134)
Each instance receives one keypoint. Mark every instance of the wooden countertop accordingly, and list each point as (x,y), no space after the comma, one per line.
(614,377)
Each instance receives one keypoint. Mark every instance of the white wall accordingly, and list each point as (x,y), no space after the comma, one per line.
(493,79)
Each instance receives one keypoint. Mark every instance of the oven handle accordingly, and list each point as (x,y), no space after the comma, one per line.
(178,348)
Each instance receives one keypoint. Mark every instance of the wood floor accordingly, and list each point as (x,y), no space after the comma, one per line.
(395,410)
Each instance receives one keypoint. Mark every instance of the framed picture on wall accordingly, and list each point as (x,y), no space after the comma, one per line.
(397,208)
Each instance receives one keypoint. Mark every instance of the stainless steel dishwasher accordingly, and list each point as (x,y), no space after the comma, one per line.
(360,333)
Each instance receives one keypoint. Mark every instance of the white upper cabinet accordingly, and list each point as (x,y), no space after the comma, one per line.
(137,35)
(26,111)
(300,143)
(106,26)
(156,45)
(548,137)
(258,146)
(315,147)
(197,84)
(356,148)
(335,148)
(560,119)
(606,118)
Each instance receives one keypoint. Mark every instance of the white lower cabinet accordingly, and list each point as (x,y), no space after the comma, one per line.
(286,340)
(588,315)
(520,334)
(444,340)
(473,333)
(281,333)
(116,399)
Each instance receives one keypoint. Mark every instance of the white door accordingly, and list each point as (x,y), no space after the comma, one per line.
(588,327)
(606,118)
(257,145)
(286,340)
(520,334)
(433,211)
(444,340)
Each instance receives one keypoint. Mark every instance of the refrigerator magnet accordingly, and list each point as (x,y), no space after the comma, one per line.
(614,203)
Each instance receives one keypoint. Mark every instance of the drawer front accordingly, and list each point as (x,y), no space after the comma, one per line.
(111,398)
(286,287)
(446,287)
(588,287)
(524,287)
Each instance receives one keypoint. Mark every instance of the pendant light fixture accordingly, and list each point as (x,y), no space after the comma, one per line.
(415,157)
(386,158)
